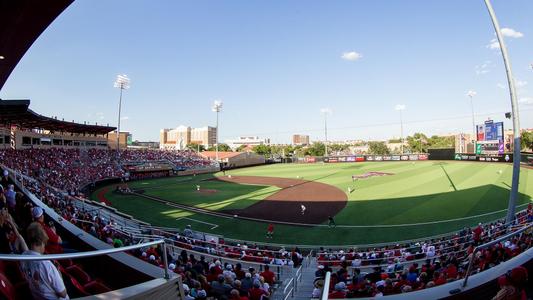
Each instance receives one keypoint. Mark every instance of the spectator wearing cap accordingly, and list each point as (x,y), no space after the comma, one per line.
(339,291)
(187,291)
(10,195)
(53,246)
(320,273)
(228,272)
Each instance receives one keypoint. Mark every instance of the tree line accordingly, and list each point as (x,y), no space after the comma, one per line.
(416,143)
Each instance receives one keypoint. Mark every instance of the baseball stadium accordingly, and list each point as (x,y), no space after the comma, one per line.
(88,213)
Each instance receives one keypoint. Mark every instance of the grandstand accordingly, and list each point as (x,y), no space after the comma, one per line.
(47,165)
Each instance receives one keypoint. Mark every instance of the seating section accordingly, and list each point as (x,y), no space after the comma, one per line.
(71,169)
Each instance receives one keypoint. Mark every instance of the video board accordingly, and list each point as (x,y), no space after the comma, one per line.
(490,138)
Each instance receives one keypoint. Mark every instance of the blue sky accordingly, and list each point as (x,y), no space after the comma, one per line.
(275,64)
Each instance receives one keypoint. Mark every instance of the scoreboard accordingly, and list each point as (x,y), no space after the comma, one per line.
(490,138)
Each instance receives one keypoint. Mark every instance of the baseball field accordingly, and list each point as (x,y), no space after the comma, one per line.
(371,202)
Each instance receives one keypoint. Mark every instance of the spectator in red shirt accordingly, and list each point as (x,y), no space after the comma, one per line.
(269,276)
(53,246)
(477,233)
(256,291)
(339,292)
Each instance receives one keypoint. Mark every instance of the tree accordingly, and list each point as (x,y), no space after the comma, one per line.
(241,148)
(418,143)
(378,148)
(262,149)
(526,140)
(221,147)
(196,147)
(316,149)
(441,142)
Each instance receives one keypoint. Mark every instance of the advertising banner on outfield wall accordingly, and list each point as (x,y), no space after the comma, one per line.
(423,157)
(485,158)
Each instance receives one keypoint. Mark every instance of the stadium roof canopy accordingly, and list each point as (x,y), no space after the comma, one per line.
(16,112)
(21,23)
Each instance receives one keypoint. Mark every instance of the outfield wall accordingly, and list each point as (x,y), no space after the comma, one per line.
(362,158)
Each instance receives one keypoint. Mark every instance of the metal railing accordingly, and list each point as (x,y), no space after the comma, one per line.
(486,245)
(22,257)
(325,288)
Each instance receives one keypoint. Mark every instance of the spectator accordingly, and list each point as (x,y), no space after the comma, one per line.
(269,276)
(256,292)
(44,279)
(54,241)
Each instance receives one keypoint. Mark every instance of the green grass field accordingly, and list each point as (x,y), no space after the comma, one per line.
(420,192)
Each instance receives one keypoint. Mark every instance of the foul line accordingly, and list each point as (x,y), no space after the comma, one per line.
(198,221)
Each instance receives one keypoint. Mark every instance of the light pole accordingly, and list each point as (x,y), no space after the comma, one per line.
(400,108)
(471,95)
(326,112)
(217,107)
(123,83)
(514,109)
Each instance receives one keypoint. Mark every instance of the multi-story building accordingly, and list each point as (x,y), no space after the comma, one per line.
(247,141)
(300,140)
(180,137)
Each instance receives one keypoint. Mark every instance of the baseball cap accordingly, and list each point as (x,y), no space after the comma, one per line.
(37,212)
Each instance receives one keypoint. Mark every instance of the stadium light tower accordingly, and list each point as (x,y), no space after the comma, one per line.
(515,114)
(123,83)
(217,107)
(471,95)
(326,112)
(400,108)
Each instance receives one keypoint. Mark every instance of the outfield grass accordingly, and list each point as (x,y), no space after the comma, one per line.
(418,192)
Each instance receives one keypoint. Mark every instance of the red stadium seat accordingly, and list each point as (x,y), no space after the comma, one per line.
(7,290)
(81,276)
(95,287)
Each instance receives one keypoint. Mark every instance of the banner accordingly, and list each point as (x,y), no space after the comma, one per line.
(423,157)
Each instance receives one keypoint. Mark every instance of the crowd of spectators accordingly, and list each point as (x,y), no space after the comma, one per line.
(71,169)
(187,159)
(404,268)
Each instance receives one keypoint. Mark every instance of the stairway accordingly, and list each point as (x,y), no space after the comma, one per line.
(303,287)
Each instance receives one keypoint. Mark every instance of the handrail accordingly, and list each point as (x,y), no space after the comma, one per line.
(22,257)
(505,237)
(325,288)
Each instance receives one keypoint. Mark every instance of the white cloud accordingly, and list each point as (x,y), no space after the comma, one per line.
(483,68)
(509,32)
(100,115)
(125,118)
(520,83)
(493,44)
(501,86)
(351,56)
(526,101)
(400,107)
